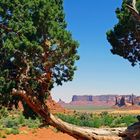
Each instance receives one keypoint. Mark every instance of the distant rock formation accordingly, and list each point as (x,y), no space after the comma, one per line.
(55,107)
(82,98)
(127,100)
(116,100)
(122,101)
(103,100)
(92,98)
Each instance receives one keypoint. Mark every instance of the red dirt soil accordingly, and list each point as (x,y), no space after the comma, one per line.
(43,133)
(39,134)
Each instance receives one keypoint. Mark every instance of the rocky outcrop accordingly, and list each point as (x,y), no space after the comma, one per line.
(127,100)
(121,102)
(56,107)
(103,100)
(137,100)
(82,98)
(91,98)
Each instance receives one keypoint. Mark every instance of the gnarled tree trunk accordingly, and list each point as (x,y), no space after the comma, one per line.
(75,131)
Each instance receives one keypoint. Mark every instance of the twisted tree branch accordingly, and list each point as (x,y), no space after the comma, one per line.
(132,8)
(7,29)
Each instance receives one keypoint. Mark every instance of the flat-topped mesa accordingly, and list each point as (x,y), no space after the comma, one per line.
(82,98)
(103,100)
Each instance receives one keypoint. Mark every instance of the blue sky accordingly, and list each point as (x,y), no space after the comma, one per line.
(99,72)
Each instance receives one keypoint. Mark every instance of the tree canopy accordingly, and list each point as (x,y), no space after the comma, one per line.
(125,36)
(36,49)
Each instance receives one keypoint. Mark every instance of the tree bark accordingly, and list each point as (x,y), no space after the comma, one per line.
(79,133)
(132,8)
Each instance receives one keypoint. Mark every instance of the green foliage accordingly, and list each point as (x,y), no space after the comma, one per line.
(102,120)
(3,112)
(32,123)
(10,122)
(124,37)
(13,120)
(9,131)
(36,50)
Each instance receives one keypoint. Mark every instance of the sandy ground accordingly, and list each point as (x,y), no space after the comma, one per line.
(39,134)
(51,133)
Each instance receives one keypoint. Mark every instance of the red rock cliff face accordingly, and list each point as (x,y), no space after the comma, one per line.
(104,98)
(101,100)
(82,98)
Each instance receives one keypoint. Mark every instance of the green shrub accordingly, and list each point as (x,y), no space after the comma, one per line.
(10,123)
(3,112)
(14,131)
(102,120)
(32,123)
(8,131)
(107,120)
(97,122)
(21,120)
(128,120)
(84,116)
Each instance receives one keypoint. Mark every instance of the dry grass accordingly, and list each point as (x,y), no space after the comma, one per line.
(127,112)
(115,111)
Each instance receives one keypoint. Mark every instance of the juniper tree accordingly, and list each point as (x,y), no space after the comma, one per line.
(36,52)
(125,36)
(36,49)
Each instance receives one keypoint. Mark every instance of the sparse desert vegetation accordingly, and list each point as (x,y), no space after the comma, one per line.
(12,121)
(104,119)
(111,110)
(89,108)
(14,126)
